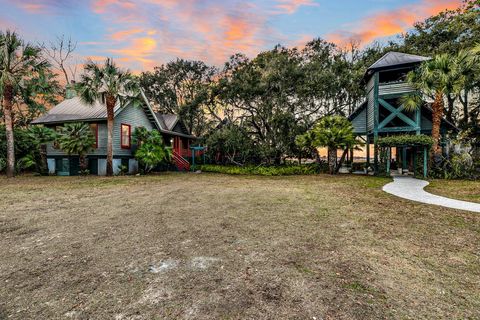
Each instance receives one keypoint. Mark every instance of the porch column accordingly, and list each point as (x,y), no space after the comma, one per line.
(193,160)
(375,154)
(425,162)
(415,161)
(404,158)
(368,152)
(389,152)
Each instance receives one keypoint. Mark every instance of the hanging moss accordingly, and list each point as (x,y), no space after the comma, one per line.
(406,140)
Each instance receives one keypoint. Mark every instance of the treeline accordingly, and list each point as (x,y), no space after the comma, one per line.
(251,110)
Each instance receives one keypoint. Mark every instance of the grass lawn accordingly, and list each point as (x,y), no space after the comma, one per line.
(457,189)
(207,246)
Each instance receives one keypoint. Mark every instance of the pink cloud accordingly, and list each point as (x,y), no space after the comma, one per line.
(391,22)
(291,6)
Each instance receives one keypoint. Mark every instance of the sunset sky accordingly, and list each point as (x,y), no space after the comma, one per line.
(140,34)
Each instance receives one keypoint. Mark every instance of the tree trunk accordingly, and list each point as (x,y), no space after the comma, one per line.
(332,159)
(111,101)
(437,114)
(7,112)
(342,159)
(465,109)
(43,160)
(451,102)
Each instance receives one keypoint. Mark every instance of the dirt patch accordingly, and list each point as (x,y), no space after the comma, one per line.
(185,246)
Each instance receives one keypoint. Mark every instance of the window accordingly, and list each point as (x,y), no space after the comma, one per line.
(94,128)
(125,136)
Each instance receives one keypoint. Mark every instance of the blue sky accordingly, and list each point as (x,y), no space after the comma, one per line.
(140,34)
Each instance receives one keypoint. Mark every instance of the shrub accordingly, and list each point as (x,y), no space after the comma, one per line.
(152,151)
(406,139)
(76,139)
(306,169)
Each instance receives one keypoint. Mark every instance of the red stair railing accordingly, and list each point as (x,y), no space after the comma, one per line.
(180,162)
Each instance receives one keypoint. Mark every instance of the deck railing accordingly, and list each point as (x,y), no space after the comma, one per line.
(395,88)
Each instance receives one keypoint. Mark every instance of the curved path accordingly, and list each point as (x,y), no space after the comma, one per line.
(412,189)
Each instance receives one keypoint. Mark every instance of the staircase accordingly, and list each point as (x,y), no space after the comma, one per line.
(180,162)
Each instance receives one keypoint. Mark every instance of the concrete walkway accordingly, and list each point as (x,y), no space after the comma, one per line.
(412,189)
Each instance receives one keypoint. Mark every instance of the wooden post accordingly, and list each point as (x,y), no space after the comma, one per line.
(368,152)
(414,161)
(375,154)
(404,158)
(376,122)
(389,151)
(418,120)
(425,162)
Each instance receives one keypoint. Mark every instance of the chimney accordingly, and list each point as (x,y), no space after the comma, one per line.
(70,91)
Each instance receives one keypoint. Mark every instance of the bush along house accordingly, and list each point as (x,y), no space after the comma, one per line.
(126,119)
(382,115)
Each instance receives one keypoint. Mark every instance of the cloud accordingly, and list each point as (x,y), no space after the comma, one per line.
(101,6)
(123,34)
(291,6)
(210,30)
(390,22)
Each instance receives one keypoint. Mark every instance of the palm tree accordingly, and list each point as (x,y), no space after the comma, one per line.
(76,138)
(111,85)
(306,144)
(40,137)
(334,132)
(18,61)
(439,78)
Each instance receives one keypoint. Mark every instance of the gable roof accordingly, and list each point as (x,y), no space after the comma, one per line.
(74,109)
(393,58)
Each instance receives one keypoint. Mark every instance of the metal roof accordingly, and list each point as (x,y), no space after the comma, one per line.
(168,121)
(397,58)
(74,109)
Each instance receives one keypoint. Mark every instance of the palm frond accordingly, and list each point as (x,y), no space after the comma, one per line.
(411,102)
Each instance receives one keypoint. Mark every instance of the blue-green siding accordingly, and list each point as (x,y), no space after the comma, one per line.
(360,122)
(370,104)
(133,116)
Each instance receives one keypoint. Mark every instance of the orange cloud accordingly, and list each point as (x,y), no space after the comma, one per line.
(100,6)
(291,6)
(33,7)
(391,22)
(122,35)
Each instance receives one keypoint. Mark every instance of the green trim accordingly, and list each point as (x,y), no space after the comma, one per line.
(418,118)
(398,129)
(375,123)
(392,116)
(397,112)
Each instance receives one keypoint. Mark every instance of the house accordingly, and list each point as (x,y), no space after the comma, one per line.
(382,113)
(126,118)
